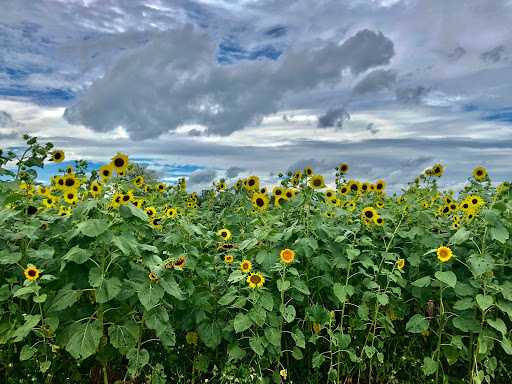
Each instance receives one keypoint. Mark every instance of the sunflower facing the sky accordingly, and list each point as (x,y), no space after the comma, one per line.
(58,156)
(278,191)
(317,182)
(253,183)
(246,266)
(438,170)
(150,211)
(379,186)
(225,234)
(444,254)
(479,173)
(95,189)
(255,280)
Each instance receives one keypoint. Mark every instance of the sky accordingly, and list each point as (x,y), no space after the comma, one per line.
(210,89)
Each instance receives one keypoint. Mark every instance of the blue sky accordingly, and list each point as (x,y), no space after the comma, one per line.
(216,88)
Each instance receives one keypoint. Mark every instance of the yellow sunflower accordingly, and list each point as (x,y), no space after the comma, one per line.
(253,183)
(287,255)
(379,204)
(227,246)
(228,258)
(343,190)
(150,211)
(351,205)
(31,273)
(378,220)
(379,186)
(152,277)
(160,187)
(69,170)
(70,196)
(260,201)
(278,191)
(58,156)
(171,212)
(330,194)
(106,172)
(71,183)
(444,254)
(289,193)
(238,184)
(369,213)
(365,187)
(50,201)
(343,168)
(139,180)
(222,186)
(479,173)
(64,211)
(130,168)
(225,234)
(155,222)
(95,189)
(246,266)
(255,280)
(401,263)
(119,162)
(127,197)
(317,182)
(354,186)
(437,170)
(180,262)
(308,171)
(279,199)
(43,191)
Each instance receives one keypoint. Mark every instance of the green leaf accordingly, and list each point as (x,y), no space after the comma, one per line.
(66,297)
(505,344)
(242,322)
(258,316)
(341,292)
(170,286)
(257,345)
(156,317)
(84,338)
(353,253)
(7,214)
(7,257)
(504,306)
(210,333)
(126,242)
(382,298)
(464,303)
(447,277)
(150,294)
(417,324)
(499,233)
(129,210)
(498,325)
(283,285)
(480,265)
(484,302)
(158,375)
(317,359)
(166,335)
(235,352)
(301,287)
(107,289)
(30,322)
(77,255)
(299,338)
(44,252)
(267,301)
(123,337)
(462,289)
(430,366)
(423,282)
(460,236)
(27,352)
(137,361)
(93,227)
(273,336)
(288,312)
(297,354)
(466,324)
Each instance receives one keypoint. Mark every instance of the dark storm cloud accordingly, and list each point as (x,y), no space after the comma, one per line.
(417,161)
(406,95)
(185,85)
(375,81)
(494,55)
(202,176)
(335,117)
(457,53)
(233,172)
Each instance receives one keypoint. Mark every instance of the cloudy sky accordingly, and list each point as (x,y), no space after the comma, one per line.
(223,88)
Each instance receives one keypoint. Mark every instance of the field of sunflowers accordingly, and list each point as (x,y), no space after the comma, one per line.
(107,279)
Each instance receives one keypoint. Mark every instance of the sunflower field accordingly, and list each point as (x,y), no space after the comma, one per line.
(106,279)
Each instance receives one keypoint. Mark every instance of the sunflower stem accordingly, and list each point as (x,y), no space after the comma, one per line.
(441,319)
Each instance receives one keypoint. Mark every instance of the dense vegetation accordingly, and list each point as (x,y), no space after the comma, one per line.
(107,278)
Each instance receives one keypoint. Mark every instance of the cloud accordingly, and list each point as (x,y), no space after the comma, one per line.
(416,162)
(370,128)
(202,176)
(335,117)
(457,53)
(375,81)
(494,55)
(6,121)
(175,79)
(406,95)
(233,172)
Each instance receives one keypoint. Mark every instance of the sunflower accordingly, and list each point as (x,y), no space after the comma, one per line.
(308,171)
(289,193)
(455,225)
(279,199)
(139,181)
(228,258)
(238,184)
(71,182)
(401,263)
(437,170)
(317,182)
(343,168)
(424,204)
(258,244)
(246,266)
(379,186)
(343,190)
(255,280)
(31,273)
(330,194)
(287,255)
(58,156)
(454,207)
(444,253)
(183,186)
(222,186)
(253,183)
(294,181)
(121,174)
(155,222)
(50,202)
(127,197)
(69,170)
(260,201)
(152,277)
(150,211)
(171,212)
(119,162)
(354,186)
(365,187)
(227,246)
(379,204)
(351,205)
(70,196)
(160,187)
(95,189)
(479,173)
(43,191)
(180,262)
(316,327)
(106,171)
(378,220)
(278,191)
(329,214)
(64,211)
(225,234)
(369,213)
(475,200)
(130,168)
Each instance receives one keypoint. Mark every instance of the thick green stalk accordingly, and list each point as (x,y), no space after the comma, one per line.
(441,319)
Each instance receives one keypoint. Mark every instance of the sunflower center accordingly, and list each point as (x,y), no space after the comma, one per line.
(31,273)
(260,202)
(70,196)
(57,155)
(353,187)
(368,214)
(245,266)
(251,182)
(126,198)
(474,201)
(224,234)
(379,186)
(156,221)
(317,182)
(279,192)
(443,253)
(106,172)
(60,182)
(50,201)
(479,173)
(70,182)
(31,210)
(255,279)
(437,170)
(95,188)
(343,168)
(119,162)
(289,194)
